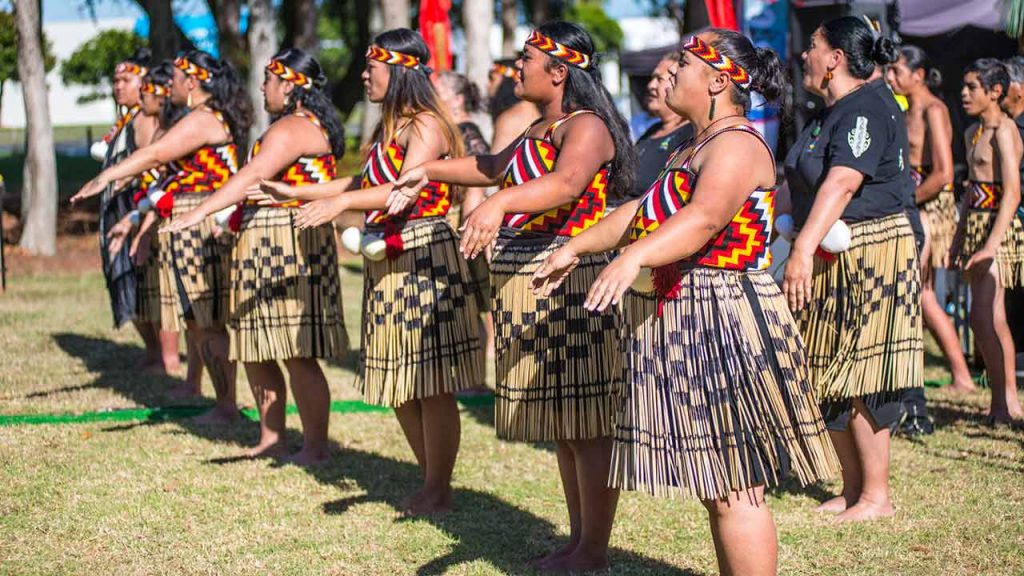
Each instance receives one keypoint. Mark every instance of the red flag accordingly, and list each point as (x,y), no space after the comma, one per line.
(436,28)
(722,14)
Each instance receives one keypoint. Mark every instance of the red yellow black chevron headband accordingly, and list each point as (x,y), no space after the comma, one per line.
(130,68)
(560,51)
(386,56)
(506,71)
(289,74)
(718,61)
(156,89)
(192,69)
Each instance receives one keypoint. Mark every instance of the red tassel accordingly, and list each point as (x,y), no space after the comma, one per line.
(393,245)
(826,256)
(235,221)
(666,284)
(165,205)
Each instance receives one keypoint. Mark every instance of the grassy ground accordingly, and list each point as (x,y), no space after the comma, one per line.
(174,498)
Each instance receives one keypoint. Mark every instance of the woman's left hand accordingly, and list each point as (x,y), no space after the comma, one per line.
(481,228)
(320,212)
(89,189)
(796,283)
(613,282)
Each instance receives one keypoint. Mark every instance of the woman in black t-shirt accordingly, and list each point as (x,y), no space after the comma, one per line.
(859,308)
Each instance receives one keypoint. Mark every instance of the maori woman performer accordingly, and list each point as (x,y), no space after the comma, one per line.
(285,290)
(931,160)
(989,246)
(859,305)
(131,130)
(144,246)
(718,403)
(420,338)
(195,262)
(558,365)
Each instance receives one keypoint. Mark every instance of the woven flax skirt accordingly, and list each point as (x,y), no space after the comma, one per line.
(1010,257)
(559,365)
(147,285)
(194,269)
(863,326)
(939,216)
(420,320)
(285,290)
(717,392)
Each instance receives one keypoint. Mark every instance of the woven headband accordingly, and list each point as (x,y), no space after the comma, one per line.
(130,68)
(155,89)
(506,71)
(192,69)
(386,56)
(290,74)
(718,61)
(560,51)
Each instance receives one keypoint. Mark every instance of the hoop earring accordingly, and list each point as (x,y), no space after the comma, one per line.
(711,112)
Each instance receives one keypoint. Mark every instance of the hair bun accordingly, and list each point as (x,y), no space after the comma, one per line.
(884,51)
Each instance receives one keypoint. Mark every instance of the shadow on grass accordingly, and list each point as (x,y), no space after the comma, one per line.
(483,526)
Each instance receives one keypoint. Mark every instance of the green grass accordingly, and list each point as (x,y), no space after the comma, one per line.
(174,498)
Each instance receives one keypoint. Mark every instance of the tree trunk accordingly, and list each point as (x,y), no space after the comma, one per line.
(394,13)
(165,38)
(509,19)
(262,46)
(228,16)
(541,12)
(348,91)
(478,16)
(300,25)
(39,190)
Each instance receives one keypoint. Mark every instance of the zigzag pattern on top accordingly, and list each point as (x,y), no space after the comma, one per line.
(383,165)
(560,51)
(386,56)
(206,170)
(985,195)
(718,61)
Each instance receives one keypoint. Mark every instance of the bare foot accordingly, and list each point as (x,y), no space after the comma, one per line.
(409,501)
(184,390)
(429,504)
(542,561)
(218,415)
(963,386)
(275,449)
(834,505)
(866,510)
(306,457)
(578,561)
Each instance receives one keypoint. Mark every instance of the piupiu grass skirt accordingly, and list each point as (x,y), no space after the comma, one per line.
(717,395)
(195,267)
(147,285)
(420,320)
(863,327)
(940,217)
(1009,258)
(285,290)
(559,366)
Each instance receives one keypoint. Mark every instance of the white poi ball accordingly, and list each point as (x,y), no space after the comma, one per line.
(352,239)
(222,216)
(98,150)
(838,238)
(374,247)
(784,226)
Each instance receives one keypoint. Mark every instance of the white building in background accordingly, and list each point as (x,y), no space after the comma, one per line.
(65,37)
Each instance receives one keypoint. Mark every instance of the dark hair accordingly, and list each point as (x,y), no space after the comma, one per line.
(864,48)
(767,75)
(917,59)
(1015,68)
(462,86)
(584,90)
(505,97)
(410,91)
(161,75)
(991,73)
(142,57)
(313,99)
(228,95)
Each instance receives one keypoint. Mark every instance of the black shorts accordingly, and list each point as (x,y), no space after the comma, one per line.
(884,408)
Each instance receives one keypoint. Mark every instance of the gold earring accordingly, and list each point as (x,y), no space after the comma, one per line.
(188,101)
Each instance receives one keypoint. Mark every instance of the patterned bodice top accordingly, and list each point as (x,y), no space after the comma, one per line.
(743,243)
(383,165)
(208,168)
(536,157)
(306,170)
